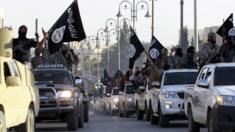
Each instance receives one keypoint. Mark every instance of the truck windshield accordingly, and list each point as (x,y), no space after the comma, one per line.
(115,91)
(130,89)
(224,76)
(53,76)
(180,78)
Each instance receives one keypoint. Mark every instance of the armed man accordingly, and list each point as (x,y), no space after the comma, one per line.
(22,45)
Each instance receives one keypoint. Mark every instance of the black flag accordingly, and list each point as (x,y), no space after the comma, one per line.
(227,25)
(66,29)
(155,49)
(135,49)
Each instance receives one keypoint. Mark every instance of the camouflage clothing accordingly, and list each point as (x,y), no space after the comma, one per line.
(208,54)
(155,73)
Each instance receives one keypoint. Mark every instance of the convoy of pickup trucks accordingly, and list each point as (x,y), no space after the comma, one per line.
(205,98)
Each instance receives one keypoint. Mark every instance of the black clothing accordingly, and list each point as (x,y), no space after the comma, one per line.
(21,48)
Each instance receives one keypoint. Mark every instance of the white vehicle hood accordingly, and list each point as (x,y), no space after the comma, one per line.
(175,88)
(115,96)
(225,90)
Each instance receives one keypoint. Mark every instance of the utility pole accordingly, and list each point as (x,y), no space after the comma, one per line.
(153,17)
(182,24)
(195,26)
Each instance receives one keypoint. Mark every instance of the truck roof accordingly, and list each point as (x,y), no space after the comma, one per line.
(232,64)
(181,70)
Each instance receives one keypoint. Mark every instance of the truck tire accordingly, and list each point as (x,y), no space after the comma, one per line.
(2,122)
(119,111)
(211,123)
(192,125)
(29,125)
(80,117)
(153,119)
(126,114)
(140,114)
(147,113)
(86,111)
(120,114)
(72,120)
(163,121)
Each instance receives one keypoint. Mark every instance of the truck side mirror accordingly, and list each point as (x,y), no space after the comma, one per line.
(78,81)
(203,83)
(108,95)
(13,81)
(120,93)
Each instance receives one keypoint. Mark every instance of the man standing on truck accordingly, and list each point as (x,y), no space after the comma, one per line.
(209,51)
(22,45)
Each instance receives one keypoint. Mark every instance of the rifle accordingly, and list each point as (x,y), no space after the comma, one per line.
(36,30)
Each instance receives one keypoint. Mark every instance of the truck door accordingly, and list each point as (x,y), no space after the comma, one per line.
(12,93)
(198,95)
(24,92)
(205,94)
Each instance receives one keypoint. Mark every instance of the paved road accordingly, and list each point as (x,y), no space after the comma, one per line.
(99,123)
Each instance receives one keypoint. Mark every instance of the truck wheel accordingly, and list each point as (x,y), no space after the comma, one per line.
(140,114)
(72,120)
(80,117)
(29,125)
(119,111)
(163,121)
(2,122)
(211,123)
(86,111)
(120,114)
(192,125)
(126,113)
(147,113)
(153,119)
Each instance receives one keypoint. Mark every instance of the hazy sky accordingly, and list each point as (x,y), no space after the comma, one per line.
(95,12)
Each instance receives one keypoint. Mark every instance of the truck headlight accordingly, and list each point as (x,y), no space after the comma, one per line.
(170,95)
(225,100)
(115,100)
(168,104)
(130,99)
(65,94)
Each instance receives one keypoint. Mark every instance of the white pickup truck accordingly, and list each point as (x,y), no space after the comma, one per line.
(166,101)
(114,101)
(19,98)
(126,104)
(211,101)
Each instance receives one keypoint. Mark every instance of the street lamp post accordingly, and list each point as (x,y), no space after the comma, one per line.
(98,55)
(134,9)
(113,23)
(88,41)
(118,40)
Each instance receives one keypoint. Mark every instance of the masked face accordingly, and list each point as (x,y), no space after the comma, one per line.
(22,33)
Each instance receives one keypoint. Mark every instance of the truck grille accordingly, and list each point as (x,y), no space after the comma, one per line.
(47,104)
(47,98)
(181,95)
(46,92)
